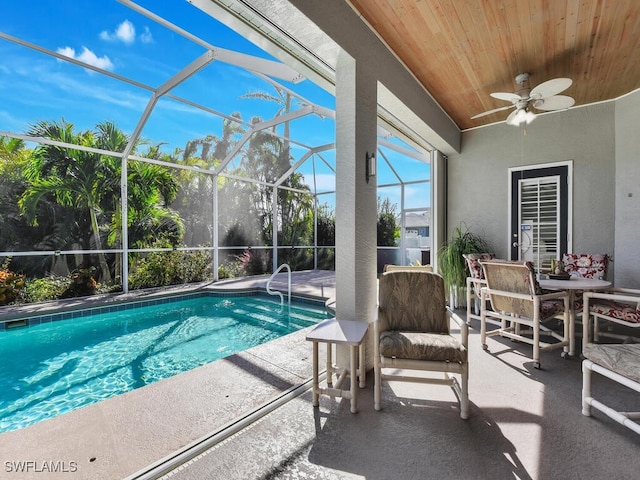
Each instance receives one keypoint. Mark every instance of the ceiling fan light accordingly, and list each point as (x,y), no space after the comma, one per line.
(522,116)
(529,117)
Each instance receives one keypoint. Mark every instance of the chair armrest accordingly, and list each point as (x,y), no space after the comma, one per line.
(618,294)
(464,328)
(623,295)
(553,295)
(376,339)
(630,291)
(526,296)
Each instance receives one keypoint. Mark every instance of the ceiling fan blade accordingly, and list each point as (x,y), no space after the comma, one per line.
(489,112)
(509,97)
(550,88)
(557,102)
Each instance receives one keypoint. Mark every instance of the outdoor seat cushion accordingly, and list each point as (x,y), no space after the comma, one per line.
(551,308)
(473,263)
(620,358)
(586,265)
(421,346)
(621,311)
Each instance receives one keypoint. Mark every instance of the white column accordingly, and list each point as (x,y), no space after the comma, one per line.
(356,200)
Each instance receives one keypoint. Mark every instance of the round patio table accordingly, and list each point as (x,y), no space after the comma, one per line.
(571,285)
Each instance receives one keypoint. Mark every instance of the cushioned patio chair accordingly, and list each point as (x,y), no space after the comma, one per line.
(517,301)
(615,306)
(412,333)
(585,265)
(619,362)
(475,281)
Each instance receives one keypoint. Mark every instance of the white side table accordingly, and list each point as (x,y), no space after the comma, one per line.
(346,332)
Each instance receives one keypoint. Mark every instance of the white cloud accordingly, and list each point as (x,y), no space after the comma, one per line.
(87,56)
(146,36)
(67,52)
(125,32)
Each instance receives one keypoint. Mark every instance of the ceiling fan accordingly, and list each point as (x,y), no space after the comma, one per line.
(543,97)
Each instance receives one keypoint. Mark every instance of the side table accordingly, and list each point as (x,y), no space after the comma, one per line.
(345,332)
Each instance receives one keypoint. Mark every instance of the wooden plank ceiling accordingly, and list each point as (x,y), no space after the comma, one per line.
(463,50)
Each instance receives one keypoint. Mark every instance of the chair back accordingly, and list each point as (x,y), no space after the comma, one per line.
(512,277)
(474,265)
(412,301)
(586,265)
(408,268)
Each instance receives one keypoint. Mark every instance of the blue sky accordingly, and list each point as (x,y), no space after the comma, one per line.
(107,34)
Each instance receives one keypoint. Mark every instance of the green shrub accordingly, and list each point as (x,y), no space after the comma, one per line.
(160,269)
(230,269)
(44,289)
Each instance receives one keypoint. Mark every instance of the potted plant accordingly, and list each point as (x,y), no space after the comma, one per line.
(452,265)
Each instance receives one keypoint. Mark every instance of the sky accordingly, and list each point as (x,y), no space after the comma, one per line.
(107,34)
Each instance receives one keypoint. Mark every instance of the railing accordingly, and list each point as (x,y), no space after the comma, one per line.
(274,292)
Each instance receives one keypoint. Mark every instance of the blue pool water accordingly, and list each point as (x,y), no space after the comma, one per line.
(52,368)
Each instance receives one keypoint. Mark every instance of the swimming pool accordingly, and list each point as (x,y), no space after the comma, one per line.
(58,364)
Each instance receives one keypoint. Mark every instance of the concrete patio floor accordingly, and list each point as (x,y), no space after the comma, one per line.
(525,423)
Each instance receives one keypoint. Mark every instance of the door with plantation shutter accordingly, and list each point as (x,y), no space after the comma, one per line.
(540,213)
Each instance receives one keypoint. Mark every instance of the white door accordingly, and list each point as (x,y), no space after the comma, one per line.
(540,213)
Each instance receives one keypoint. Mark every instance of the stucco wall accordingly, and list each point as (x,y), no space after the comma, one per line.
(478,177)
(627,192)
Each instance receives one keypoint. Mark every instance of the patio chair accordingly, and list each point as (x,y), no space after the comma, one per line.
(619,362)
(475,281)
(412,333)
(615,306)
(584,265)
(516,301)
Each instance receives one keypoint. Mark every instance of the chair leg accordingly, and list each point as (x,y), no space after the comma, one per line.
(468,302)
(586,388)
(536,344)
(483,324)
(377,386)
(464,401)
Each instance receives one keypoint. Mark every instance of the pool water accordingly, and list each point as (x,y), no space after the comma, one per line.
(52,368)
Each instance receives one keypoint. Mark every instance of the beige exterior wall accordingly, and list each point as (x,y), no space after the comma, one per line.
(603,145)
(627,192)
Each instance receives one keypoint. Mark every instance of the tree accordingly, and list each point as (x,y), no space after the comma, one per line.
(285,101)
(72,177)
(89,183)
(326,236)
(13,158)
(388,230)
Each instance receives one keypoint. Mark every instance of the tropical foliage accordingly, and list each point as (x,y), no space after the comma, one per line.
(65,194)
(453,266)
(57,197)
(388,229)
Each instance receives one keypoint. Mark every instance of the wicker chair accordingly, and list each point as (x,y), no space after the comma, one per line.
(412,333)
